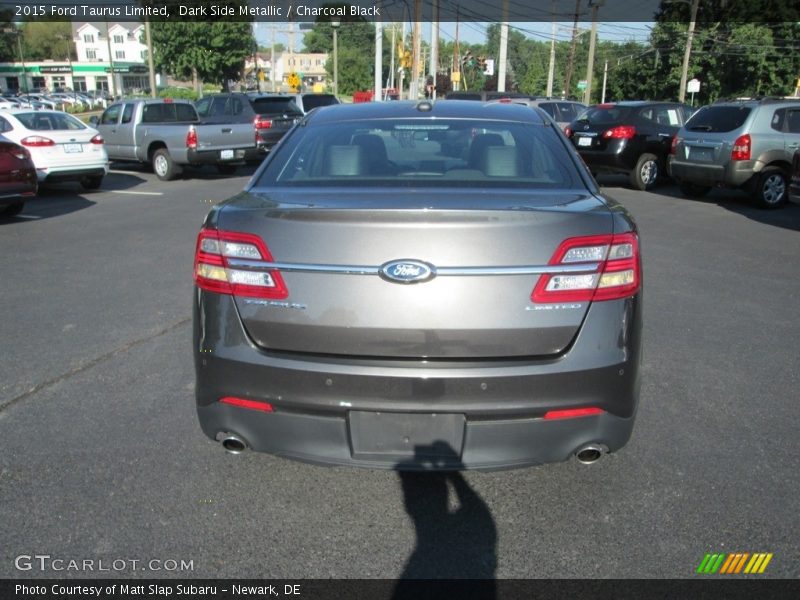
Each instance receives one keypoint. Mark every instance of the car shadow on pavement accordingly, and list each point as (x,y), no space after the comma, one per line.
(456,534)
(39,208)
(786,216)
(198,172)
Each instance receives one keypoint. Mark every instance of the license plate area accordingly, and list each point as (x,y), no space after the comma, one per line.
(426,436)
(226,154)
(584,141)
(73,148)
(701,154)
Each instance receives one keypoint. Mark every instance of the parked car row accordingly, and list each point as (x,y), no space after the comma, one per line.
(746,144)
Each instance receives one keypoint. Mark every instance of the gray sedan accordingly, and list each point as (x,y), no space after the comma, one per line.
(419,286)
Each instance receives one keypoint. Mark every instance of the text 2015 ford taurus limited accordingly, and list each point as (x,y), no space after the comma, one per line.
(419,286)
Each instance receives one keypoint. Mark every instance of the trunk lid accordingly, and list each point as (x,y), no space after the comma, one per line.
(339,304)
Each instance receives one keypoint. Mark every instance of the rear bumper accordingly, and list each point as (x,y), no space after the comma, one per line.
(619,156)
(498,405)
(56,174)
(214,157)
(732,174)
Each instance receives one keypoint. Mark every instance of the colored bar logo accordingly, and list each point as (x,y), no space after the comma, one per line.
(734,563)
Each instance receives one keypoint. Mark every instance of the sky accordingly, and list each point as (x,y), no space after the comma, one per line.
(475,33)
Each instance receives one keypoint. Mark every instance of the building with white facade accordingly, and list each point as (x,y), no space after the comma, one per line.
(309,67)
(101,48)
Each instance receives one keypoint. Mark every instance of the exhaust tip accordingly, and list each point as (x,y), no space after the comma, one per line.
(590,453)
(232,443)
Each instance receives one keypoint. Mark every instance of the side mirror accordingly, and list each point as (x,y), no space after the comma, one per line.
(94,121)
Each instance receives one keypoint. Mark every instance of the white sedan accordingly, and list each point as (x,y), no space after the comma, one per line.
(62,147)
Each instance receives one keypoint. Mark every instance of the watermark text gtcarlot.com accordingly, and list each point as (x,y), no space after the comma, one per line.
(46,562)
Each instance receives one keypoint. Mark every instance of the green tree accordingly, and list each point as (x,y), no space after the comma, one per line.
(42,40)
(202,51)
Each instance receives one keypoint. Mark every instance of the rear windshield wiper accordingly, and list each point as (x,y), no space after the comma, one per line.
(701,128)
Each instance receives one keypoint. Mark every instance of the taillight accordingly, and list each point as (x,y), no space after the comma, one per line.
(228,262)
(262,123)
(98,139)
(568,131)
(674,147)
(617,273)
(191,139)
(624,132)
(37,141)
(19,152)
(741,148)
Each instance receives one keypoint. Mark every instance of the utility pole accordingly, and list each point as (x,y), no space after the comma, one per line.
(587,93)
(551,71)
(434,67)
(111,85)
(501,69)
(605,77)
(688,52)
(455,76)
(376,96)
(392,53)
(416,41)
(571,61)
(151,71)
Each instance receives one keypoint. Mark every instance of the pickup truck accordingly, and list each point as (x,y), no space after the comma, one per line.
(169,134)
(272,115)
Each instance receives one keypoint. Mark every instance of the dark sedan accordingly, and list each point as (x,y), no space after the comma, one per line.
(373,298)
(633,138)
(18,180)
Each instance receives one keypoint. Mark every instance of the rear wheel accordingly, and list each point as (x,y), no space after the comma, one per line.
(692,190)
(645,174)
(13,209)
(226,169)
(163,165)
(91,183)
(771,188)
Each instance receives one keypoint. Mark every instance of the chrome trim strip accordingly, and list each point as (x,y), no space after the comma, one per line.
(258,265)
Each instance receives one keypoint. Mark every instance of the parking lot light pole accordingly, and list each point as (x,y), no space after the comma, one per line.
(16,32)
(335,27)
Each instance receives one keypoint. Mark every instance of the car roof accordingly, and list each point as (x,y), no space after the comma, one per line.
(408,109)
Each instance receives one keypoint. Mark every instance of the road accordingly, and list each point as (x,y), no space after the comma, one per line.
(103,458)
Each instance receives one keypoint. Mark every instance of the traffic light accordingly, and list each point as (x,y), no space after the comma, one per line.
(405,60)
(481,63)
(468,60)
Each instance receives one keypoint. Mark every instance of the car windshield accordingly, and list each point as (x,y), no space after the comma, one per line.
(719,119)
(603,114)
(414,152)
(44,121)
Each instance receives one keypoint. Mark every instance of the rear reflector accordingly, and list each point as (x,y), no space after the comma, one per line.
(571,413)
(213,272)
(244,403)
(618,274)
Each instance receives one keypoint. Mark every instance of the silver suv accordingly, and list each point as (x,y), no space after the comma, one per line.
(563,112)
(744,144)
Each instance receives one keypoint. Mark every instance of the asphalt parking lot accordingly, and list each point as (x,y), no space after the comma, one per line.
(103,458)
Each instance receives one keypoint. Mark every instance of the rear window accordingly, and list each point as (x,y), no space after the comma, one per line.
(602,115)
(47,121)
(168,112)
(275,106)
(423,152)
(718,119)
(312,101)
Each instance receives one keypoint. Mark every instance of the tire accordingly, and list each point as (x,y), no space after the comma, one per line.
(12,210)
(92,183)
(645,175)
(772,188)
(163,165)
(692,190)
(226,169)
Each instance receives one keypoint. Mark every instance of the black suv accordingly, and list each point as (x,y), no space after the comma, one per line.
(633,138)
(272,115)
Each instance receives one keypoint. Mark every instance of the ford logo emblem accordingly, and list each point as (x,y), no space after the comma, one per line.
(407,271)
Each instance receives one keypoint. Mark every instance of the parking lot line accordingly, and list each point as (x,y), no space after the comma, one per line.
(136,193)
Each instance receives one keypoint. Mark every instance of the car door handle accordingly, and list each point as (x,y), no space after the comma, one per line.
(227,130)
(665,135)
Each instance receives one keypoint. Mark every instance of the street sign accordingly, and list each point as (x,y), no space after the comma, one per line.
(693,86)
(582,84)
(293,80)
